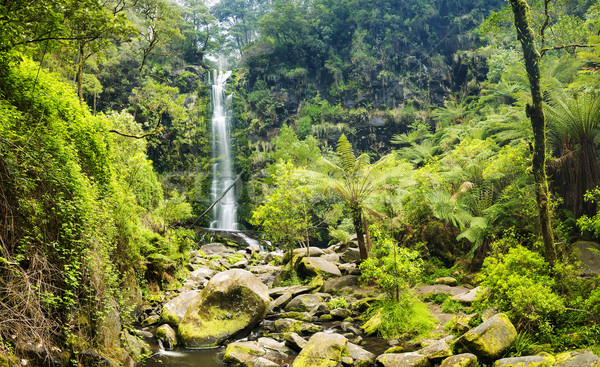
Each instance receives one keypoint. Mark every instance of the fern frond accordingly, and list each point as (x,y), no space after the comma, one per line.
(347,157)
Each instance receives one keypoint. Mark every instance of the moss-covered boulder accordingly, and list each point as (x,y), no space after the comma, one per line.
(360,356)
(313,266)
(323,350)
(461,360)
(232,303)
(541,360)
(246,354)
(167,335)
(174,310)
(437,350)
(491,339)
(580,358)
(296,326)
(411,359)
(304,302)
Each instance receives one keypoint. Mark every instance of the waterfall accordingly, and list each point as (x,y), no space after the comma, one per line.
(224,213)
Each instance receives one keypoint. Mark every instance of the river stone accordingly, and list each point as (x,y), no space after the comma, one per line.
(461,360)
(441,289)
(336,284)
(491,339)
(411,359)
(247,354)
(349,269)
(580,358)
(232,303)
(313,266)
(460,323)
(201,275)
(341,313)
(167,335)
(296,326)
(281,301)
(467,297)
(541,360)
(295,341)
(437,350)
(216,249)
(304,302)
(174,310)
(293,289)
(302,316)
(360,356)
(351,255)
(313,251)
(322,350)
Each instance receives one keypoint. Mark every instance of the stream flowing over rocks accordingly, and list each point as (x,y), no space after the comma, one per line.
(236,300)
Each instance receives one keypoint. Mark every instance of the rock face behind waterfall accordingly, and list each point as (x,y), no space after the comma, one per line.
(232,303)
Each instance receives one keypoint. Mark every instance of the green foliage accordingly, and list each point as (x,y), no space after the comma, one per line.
(405,318)
(519,283)
(395,269)
(339,302)
(286,213)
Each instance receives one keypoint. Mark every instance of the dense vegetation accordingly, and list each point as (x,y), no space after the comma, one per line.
(411,124)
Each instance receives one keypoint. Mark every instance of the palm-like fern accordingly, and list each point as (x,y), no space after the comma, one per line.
(355,180)
(574,121)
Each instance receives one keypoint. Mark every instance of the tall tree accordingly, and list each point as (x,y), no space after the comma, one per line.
(535,112)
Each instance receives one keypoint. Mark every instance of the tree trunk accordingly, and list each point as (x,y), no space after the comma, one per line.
(357,218)
(535,112)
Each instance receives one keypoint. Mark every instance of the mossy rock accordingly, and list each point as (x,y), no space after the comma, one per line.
(411,359)
(247,354)
(461,360)
(314,266)
(167,335)
(296,326)
(323,350)
(491,339)
(580,358)
(302,316)
(173,311)
(540,360)
(232,303)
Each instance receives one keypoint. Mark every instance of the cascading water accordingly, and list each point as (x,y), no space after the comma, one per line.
(224,212)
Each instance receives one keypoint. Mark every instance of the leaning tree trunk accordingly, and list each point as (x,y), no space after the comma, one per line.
(535,112)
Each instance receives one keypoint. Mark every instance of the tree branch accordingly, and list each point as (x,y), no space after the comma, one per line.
(159,129)
(560,47)
(216,201)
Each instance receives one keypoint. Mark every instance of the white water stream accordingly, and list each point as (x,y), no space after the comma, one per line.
(224,213)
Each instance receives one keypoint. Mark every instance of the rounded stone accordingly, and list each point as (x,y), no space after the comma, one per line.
(232,303)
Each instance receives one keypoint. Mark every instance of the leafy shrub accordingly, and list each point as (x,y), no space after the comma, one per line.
(519,284)
(391,267)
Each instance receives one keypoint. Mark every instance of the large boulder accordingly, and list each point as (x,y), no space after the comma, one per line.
(174,310)
(581,358)
(313,266)
(411,359)
(323,350)
(491,339)
(232,303)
